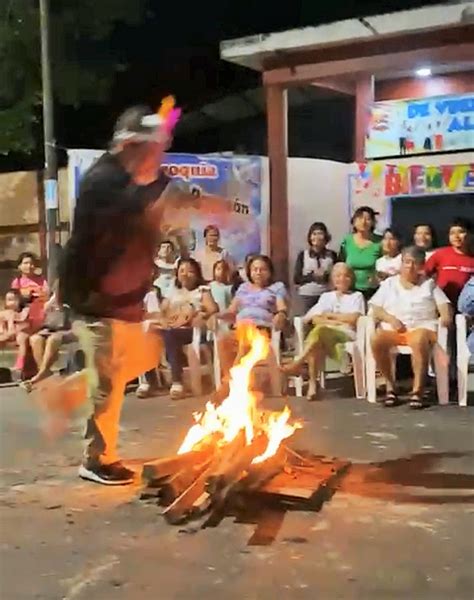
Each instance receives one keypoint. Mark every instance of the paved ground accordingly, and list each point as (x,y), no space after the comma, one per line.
(399,529)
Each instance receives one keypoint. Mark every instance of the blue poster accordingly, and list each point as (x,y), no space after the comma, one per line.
(233,183)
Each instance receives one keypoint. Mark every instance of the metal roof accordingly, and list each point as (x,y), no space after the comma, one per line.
(251,51)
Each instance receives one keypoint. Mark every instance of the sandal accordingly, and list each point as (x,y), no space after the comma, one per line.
(391,399)
(27,386)
(416,401)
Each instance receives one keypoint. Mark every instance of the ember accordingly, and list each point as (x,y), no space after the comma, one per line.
(235,449)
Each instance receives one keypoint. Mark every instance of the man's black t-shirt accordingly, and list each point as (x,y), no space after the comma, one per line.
(108,261)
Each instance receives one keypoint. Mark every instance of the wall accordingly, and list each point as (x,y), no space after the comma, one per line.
(20,207)
(317,191)
(371,192)
(416,87)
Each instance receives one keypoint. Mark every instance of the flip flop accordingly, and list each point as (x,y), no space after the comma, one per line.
(27,386)
(416,401)
(391,399)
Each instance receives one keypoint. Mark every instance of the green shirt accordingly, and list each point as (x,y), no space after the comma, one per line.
(362,261)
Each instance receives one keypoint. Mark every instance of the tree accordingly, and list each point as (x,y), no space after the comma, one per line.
(84,60)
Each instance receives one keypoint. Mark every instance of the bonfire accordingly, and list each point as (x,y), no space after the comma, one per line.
(235,448)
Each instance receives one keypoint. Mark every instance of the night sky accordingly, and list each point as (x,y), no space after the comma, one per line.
(176,50)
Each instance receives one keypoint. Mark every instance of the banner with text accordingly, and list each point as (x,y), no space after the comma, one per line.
(374,183)
(436,124)
(234,181)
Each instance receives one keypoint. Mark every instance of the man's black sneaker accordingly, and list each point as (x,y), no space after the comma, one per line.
(113,474)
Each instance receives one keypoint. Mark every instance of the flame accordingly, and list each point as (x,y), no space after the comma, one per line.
(238,411)
(277,429)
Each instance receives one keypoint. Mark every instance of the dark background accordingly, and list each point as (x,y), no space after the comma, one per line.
(175,49)
(438,210)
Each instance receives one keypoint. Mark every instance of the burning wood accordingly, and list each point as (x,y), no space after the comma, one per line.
(235,449)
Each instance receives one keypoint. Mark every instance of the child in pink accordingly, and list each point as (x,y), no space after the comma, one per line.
(33,289)
(14,326)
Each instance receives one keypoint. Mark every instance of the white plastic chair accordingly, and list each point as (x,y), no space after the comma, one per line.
(463,356)
(197,368)
(439,356)
(355,349)
(272,362)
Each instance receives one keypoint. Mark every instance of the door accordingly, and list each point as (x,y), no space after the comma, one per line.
(438,211)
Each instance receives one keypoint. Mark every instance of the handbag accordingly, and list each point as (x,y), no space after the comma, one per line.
(58,319)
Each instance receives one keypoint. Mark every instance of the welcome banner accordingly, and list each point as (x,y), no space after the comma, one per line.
(374,183)
(233,183)
(436,124)
(414,180)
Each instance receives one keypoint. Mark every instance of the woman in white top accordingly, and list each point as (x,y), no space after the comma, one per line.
(334,320)
(189,304)
(391,260)
(408,306)
(212,252)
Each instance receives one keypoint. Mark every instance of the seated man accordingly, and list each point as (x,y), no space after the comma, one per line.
(408,306)
(466,306)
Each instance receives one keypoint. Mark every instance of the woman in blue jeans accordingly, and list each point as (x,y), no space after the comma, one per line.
(188,304)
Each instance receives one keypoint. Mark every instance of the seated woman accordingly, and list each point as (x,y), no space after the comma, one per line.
(32,287)
(334,320)
(14,326)
(46,343)
(260,301)
(189,304)
(408,305)
(466,307)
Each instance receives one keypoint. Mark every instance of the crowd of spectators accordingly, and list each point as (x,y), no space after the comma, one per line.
(405,287)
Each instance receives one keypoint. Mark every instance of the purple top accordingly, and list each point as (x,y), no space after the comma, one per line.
(258,306)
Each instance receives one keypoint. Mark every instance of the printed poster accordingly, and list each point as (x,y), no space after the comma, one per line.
(405,127)
(224,181)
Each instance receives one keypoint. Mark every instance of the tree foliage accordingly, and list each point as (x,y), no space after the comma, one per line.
(83,60)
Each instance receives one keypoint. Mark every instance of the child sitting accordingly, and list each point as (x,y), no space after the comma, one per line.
(14,326)
(221,285)
(166,263)
(390,262)
(334,320)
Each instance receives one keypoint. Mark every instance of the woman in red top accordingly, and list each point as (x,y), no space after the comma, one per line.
(33,288)
(453,265)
